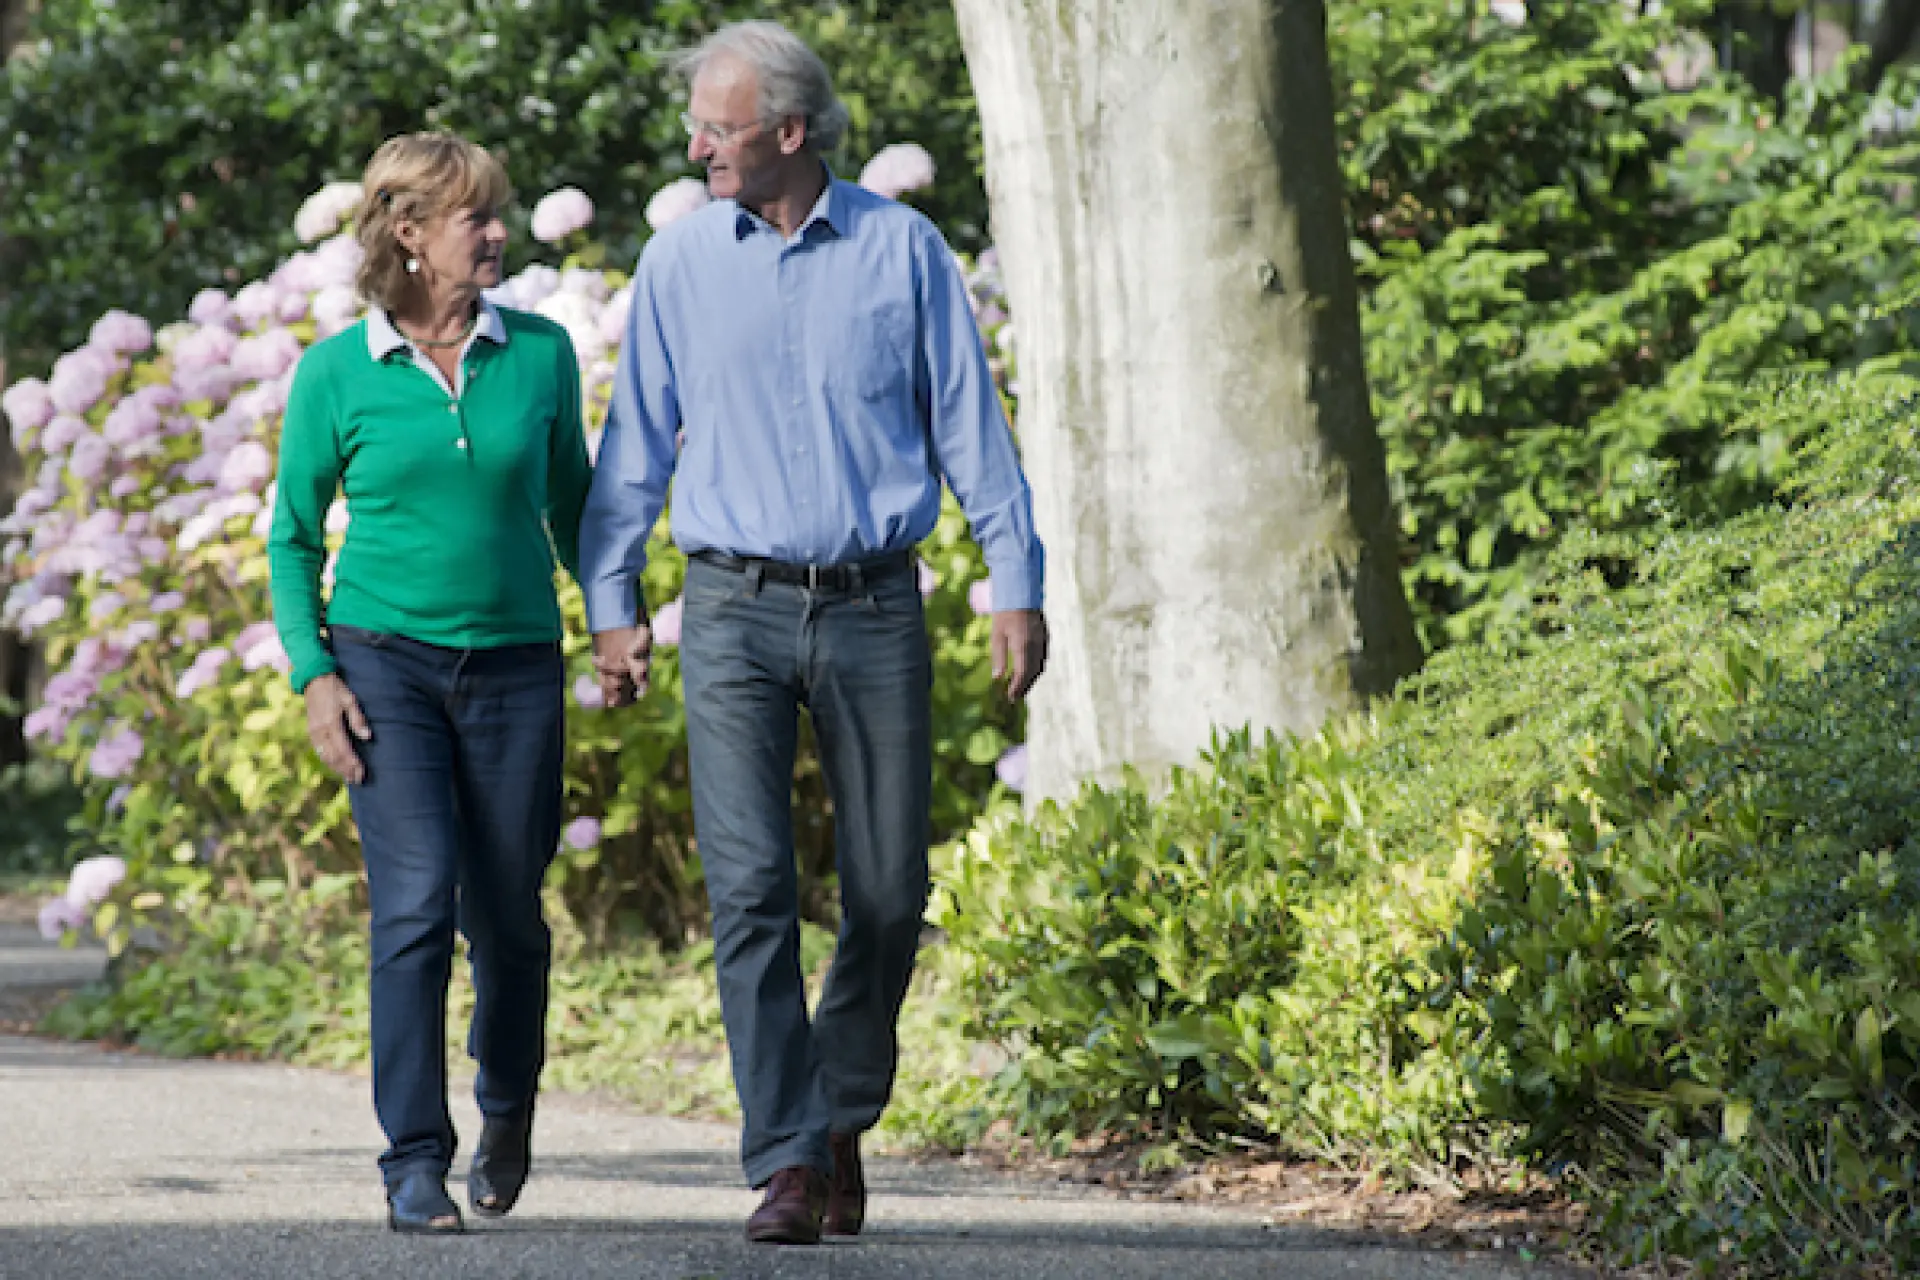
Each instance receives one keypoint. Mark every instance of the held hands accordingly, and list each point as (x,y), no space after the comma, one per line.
(332,713)
(1019,649)
(624,659)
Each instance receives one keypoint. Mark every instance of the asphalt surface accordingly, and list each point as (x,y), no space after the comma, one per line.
(117,1164)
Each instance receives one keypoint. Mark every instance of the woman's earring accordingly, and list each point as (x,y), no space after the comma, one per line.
(413,266)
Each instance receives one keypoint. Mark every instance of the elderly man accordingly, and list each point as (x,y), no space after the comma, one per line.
(813,345)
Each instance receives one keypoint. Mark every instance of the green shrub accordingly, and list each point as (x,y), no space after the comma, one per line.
(1633,895)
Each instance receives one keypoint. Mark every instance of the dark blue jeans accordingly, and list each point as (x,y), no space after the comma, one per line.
(752,653)
(459,818)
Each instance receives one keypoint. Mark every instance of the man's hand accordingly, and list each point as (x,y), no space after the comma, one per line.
(332,714)
(1019,649)
(624,659)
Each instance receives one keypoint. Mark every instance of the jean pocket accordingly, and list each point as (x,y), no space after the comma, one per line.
(896,596)
(357,635)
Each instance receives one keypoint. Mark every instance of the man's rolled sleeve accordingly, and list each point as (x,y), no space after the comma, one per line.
(972,443)
(635,464)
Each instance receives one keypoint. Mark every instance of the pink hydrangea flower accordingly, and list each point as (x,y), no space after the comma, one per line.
(57,915)
(92,879)
(248,467)
(322,212)
(202,672)
(336,264)
(28,407)
(583,833)
(41,613)
(980,596)
(135,634)
(116,755)
(666,623)
(561,213)
(48,722)
(80,379)
(259,646)
(293,308)
(534,284)
(209,306)
(207,347)
(676,200)
(255,303)
(89,458)
(133,420)
(266,356)
(586,692)
(61,433)
(589,284)
(925,577)
(166,602)
(613,317)
(898,169)
(334,308)
(70,690)
(121,333)
(210,384)
(1011,768)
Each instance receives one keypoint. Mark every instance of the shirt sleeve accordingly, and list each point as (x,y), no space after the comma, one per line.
(309,475)
(636,461)
(568,471)
(972,443)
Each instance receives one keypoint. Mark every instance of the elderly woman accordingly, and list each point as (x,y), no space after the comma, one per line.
(432,674)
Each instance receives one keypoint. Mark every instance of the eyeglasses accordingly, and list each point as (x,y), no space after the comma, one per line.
(716,134)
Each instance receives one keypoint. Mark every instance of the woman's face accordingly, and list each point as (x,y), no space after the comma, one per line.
(462,250)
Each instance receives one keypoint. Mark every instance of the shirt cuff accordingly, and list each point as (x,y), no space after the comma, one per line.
(1016,586)
(610,605)
(312,669)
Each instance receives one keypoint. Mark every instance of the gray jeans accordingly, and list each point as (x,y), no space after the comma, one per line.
(752,654)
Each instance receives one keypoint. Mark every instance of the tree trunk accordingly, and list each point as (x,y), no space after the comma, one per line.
(1892,37)
(13,23)
(1193,404)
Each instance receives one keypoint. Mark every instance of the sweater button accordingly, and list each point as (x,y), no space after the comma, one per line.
(459,444)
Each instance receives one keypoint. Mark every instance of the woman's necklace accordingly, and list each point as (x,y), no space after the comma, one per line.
(437,344)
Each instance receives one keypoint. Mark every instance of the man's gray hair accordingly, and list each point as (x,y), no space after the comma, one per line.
(793,80)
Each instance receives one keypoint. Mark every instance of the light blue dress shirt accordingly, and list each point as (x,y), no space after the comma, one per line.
(821,388)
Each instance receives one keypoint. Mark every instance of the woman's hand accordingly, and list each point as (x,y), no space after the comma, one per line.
(332,713)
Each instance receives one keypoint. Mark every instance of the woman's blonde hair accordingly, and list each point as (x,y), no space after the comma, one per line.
(422,177)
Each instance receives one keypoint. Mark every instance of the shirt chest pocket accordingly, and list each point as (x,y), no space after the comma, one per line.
(879,351)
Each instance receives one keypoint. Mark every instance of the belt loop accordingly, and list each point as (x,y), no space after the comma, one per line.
(755,571)
(813,577)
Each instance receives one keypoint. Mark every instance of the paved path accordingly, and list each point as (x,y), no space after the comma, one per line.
(116,1164)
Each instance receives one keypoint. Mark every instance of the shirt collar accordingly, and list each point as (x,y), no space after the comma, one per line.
(830,209)
(383,338)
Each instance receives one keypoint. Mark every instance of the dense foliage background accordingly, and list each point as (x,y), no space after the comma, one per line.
(1622,887)
(174,139)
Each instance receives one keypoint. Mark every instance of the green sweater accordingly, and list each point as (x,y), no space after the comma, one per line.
(456,505)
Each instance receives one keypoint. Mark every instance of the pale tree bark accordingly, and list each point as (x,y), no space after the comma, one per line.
(1167,205)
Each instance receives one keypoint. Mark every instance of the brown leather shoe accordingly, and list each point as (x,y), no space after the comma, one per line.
(847,1189)
(790,1214)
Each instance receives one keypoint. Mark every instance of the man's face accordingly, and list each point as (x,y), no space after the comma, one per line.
(740,149)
